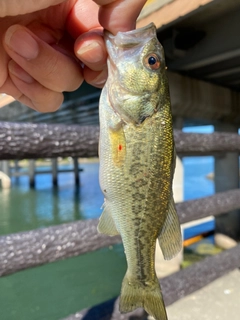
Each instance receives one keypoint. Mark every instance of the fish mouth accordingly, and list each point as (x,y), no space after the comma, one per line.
(133,37)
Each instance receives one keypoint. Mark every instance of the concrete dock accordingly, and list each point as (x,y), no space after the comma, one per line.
(220,300)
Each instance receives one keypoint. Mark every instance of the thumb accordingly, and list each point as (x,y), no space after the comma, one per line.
(17,7)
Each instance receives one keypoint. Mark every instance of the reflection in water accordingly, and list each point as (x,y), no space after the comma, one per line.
(71,284)
(23,208)
(196,184)
(78,282)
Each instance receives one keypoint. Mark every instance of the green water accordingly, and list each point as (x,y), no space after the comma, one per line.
(27,209)
(56,290)
(22,208)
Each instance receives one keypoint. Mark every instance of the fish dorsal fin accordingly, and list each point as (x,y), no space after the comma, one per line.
(170,238)
(106,223)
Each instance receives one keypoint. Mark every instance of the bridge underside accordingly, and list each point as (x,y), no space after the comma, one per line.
(202,49)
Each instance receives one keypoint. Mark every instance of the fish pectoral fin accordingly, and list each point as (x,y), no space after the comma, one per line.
(106,223)
(170,238)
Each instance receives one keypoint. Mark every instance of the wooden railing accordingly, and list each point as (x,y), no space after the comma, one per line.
(33,248)
(31,141)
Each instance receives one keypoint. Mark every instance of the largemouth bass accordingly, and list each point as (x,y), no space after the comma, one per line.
(137,160)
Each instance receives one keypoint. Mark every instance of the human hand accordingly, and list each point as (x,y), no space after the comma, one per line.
(37,52)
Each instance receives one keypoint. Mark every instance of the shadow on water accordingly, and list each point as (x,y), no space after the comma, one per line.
(104,311)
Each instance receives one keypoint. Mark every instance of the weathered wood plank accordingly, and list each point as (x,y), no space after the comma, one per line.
(33,248)
(31,141)
(174,287)
(213,205)
(206,144)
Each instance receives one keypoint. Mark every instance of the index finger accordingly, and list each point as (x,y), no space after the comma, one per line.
(83,18)
(119,15)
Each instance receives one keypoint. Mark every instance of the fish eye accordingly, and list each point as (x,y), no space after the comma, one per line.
(152,61)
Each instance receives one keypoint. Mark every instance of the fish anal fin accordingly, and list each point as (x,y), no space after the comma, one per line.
(106,223)
(149,297)
(170,238)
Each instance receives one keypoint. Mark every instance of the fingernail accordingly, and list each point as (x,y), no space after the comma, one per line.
(101,78)
(18,72)
(20,41)
(91,51)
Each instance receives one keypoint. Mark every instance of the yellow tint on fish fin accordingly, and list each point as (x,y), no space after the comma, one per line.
(106,224)
(118,145)
(136,295)
(170,238)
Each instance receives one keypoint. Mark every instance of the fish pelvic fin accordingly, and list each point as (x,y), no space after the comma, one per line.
(106,223)
(136,295)
(170,238)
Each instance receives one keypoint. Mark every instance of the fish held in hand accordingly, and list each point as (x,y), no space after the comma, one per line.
(137,161)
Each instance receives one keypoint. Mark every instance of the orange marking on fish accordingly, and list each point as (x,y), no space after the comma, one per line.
(118,146)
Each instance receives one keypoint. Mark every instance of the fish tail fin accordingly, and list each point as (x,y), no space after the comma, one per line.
(136,295)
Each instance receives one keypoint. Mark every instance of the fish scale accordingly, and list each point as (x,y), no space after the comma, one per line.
(137,161)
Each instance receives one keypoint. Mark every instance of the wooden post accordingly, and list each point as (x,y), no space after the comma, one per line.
(5,167)
(76,171)
(227,178)
(178,123)
(31,173)
(55,172)
(5,180)
(16,168)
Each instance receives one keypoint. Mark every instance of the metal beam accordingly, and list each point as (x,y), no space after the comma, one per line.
(170,12)
(224,73)
(196,99)
(221,43)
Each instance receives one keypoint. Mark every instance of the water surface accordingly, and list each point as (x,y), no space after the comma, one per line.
(55,290)
(23,208)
